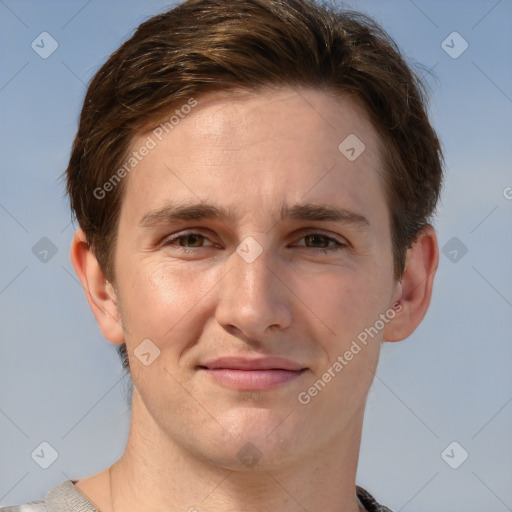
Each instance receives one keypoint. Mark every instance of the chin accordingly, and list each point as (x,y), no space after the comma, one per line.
(256,439)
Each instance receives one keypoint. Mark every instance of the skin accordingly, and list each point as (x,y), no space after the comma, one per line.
(251,154)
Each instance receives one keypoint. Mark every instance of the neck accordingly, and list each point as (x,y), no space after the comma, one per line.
(156,473)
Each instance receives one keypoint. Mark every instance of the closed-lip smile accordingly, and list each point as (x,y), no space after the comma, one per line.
(245,373)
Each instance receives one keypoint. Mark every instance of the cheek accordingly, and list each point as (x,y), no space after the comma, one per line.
(161,297)
(344,302)
(349,304)
(157,302)
(347,308)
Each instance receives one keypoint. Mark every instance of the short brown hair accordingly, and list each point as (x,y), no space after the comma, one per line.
(204,46)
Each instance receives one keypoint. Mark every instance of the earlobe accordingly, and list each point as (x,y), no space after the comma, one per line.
(100,293)
(415,289)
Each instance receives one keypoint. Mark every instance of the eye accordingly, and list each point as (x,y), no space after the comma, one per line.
(192,241)
(321,242)
(187,241)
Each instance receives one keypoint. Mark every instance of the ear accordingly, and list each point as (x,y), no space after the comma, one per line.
(100,293)
(414,292)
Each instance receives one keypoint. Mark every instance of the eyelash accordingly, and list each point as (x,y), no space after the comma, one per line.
(339,245)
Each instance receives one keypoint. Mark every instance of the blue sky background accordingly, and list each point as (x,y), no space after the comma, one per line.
(451,381)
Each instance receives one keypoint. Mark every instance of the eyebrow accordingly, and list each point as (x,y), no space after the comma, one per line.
(304,212)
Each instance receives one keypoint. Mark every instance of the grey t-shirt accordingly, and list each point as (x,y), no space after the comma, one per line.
(65,497)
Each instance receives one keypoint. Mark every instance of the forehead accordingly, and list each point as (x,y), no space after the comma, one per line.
(240,119)
(281,145)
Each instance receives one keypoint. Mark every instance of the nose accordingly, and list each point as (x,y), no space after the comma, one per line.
(253,297)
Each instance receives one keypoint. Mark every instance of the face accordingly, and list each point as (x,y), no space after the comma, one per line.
(247,235)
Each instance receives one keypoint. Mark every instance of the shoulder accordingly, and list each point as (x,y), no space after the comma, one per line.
(369,502)
(33,506)
(61,498)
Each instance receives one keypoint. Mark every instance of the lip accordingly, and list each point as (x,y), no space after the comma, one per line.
(246,363)
(252,373)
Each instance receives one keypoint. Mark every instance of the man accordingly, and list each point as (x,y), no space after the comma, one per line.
(253,181)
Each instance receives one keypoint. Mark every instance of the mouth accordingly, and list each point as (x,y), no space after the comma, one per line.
(252,374)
